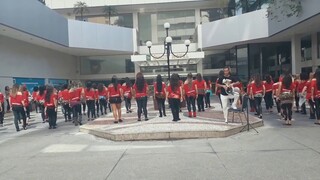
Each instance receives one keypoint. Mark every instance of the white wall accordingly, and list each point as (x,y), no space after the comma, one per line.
(20,59)
(240,28)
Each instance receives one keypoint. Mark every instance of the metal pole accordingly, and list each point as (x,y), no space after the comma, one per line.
(168,59)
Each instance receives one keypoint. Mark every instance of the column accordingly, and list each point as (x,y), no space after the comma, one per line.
(200,67)
(136,68)
(296,54)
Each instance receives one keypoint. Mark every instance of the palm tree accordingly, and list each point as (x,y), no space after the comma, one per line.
(80,8)
(109,11)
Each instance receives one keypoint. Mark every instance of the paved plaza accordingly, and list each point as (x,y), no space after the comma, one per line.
(276,152)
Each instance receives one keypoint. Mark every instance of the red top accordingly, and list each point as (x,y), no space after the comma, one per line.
(41,98)
(25,95)
(290,89)
(16,101)
(140,94)
(1,98)
(301,85)
(90,94)
(103,93)
(256,89)
(308,85)
(190,91)
(239,85)
(296,84)
(316,91)
(34,95)
(155,85)
(113,92)
(75,95)
(65,95)
(51,102)
(200,84)
(174,94)
(268,86)
(127,90)
(208,84)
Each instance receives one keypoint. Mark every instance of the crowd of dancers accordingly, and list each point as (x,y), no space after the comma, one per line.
(94,100)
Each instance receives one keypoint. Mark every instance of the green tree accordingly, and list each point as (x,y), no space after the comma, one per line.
(287,8)
(80,8)
(109,11)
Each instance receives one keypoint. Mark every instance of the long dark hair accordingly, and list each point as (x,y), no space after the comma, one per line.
(317,76)
(100,87)
(268,78)
(189,80)
(42,89)
(159,83)
(65,86)
(114,81)
(89,86)
(140,81)
(199,77)
(48,94)
(174,81)
(35,89)
(287,81)
(257,80)
(304,76)
(128,82)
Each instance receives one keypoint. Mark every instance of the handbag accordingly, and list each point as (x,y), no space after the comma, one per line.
(286,96)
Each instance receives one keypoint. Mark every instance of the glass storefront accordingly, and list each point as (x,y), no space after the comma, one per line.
(318,44)
(182,26)
(242,63)
(215,61)
(106,65)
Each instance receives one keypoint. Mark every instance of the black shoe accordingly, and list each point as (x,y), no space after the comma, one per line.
(80,123)
(18,130)
(116,122)
(179,119)
(146,119)
(260,116)
(160,116)
(297,111)
(54,127)
(165,115)
(50,127)
(203,110)
(175,120)
(43,121)
(139,119)
(127,112)
(120,120)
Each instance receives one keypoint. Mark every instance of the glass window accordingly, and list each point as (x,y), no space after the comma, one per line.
(105,65)
(214,61)
(145,31)
(306,50)
(242,63)
(123,20)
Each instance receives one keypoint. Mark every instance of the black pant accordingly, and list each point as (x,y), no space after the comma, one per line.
(268,100)
(287,110)
(67,112)
(142,105)
(52,115)
(2,114)
(278,105)
(252,103)
(191,101)
(296,98)
(161,106)
(77,117)
(317,110)
(200,102)
(257,102)
(28,112)
(304,108)
(91,108)
(83,107)
(127,103)
(35,103)
(43,115)
(8,105)
(103,106)
(97,106)
(18,113)
(207,99)
(312,109)
(175,108)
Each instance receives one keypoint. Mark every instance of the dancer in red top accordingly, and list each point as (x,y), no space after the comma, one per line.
(201,87)
(287,90)
(115,96)
(18,107)
(1,109)
(65,100)
(40,100)
(34,98)
(302,95)
(268,99)
(25,94)
(75,95)
(174,93)
(51,107)
(275,88)
(140,91)
(257,92)
(307,90)
(296,93)
(160,93)
(251,99)
(127,93)
(315,94)
(102,98)
(90,97)
(190,95)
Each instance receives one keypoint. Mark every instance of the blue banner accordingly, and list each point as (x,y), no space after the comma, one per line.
(58,83)
(29,82)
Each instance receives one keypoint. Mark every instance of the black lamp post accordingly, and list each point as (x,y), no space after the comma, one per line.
(168,47)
